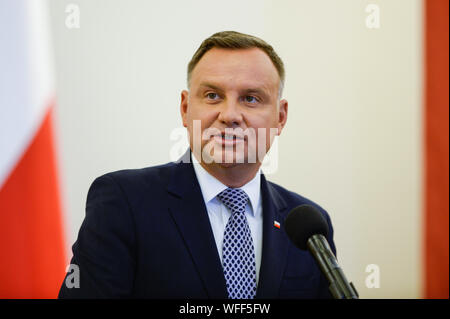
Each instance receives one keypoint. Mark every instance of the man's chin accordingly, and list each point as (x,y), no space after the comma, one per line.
(228,165)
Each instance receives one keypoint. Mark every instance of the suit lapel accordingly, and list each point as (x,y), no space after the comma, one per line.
(189,212)
(275,242)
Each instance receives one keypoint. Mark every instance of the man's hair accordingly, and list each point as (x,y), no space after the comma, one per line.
(235,40)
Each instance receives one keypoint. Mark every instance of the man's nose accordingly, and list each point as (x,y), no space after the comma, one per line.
(230,114)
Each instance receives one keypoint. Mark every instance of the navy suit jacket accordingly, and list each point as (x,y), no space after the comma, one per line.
(146,234)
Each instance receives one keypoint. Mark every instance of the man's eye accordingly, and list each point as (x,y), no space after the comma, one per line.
(212,96)
(251,99)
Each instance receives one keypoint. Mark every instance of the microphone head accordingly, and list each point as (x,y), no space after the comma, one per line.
(302,222)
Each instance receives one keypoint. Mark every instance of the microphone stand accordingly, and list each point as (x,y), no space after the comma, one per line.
(339,287)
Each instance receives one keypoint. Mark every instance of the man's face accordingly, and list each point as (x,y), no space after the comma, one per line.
(233,89)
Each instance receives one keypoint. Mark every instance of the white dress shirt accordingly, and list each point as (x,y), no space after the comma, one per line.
(219,214)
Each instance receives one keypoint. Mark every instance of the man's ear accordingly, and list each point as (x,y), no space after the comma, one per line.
(184,106)
(282,115)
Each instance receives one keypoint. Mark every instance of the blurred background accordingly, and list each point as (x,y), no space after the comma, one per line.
(89,87)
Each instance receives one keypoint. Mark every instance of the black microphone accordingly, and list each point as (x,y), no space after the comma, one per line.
(307,229)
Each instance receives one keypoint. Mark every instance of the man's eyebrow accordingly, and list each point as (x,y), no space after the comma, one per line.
(258,91)
(249,90)
(254,90)
(211,86)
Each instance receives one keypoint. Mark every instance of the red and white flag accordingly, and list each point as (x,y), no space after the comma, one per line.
(32,253)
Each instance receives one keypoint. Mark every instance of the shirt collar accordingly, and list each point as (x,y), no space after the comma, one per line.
(211,186)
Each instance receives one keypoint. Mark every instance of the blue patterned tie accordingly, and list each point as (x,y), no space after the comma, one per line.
(238,255)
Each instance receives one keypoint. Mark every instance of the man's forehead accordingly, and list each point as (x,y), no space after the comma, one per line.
(246,66)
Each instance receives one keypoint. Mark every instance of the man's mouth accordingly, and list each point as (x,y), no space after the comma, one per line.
(228,139)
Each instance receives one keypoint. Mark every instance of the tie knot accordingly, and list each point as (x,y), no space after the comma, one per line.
(234,198)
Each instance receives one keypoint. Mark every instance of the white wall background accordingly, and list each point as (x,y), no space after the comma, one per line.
(353,137)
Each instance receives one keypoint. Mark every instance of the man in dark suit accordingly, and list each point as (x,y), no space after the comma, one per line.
(209,225)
